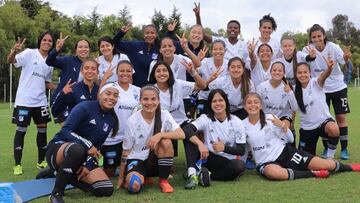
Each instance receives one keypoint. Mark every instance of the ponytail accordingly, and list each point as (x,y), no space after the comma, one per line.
(116,124)
(157,122)
(262,119)
(298,89)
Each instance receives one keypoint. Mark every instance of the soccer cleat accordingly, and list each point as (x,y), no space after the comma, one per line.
(46,172)
(18,170)
(321,173)
(324,154)
(165,186)
(204,177)
(191,182)
(250,164)
(41,165)
(344,155)
(56,198)
(355,167)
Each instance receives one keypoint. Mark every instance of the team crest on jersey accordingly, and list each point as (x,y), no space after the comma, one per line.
(136,97)
(105,127)
(153,56)
(283,96)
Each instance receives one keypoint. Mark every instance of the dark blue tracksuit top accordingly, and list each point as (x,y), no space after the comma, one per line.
(87,125)
(79,94)
(139,55)
(69,66)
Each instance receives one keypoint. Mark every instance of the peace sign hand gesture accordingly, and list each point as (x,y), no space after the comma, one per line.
(330,63)
(189,67)
(251,47)
(202,53)
(171,26)
(347,53)
(214,75)
(183,41)
(311,50)
(60,42)
(68,87)
(196,9)
(19,45)
(126,28)
(287,87)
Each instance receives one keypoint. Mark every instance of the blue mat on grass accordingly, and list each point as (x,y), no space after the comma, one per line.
(33,189)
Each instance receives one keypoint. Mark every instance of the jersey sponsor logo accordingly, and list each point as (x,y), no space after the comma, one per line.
(82,97)
(92,121)
(105,127)
(258,148)
(124,107)
(39,75)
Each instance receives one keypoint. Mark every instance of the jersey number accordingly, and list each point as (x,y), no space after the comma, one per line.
(44,111)
(296,158)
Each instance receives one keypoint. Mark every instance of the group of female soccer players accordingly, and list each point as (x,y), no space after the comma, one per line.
(234,105)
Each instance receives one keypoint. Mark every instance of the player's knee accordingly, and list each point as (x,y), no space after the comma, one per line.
(238,167)
(102,188)
(273,173)
(75,150)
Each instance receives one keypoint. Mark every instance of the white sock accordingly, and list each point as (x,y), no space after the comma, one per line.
(330,153)
(191,171)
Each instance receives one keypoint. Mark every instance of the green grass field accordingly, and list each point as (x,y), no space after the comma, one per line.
(248,188)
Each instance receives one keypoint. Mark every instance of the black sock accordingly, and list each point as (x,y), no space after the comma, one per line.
(325,142)
(165,164)
(19,143)
(41,142)
(332,142)
(74,158)
(340,167)
(344,137)
(293,174)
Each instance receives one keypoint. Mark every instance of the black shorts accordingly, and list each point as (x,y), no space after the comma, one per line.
(308,138)
(290,157)
(22,115)
(242,114)
(111,154)
(61,117)
(339,101)
(51,152)
(147,168)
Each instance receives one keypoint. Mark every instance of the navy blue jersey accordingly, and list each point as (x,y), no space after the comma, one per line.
(87,125)
(69,66)
(79,94)
(139,55)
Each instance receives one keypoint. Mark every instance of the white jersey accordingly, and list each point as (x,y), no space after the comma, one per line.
(238,49)
(233,93)
(138,132)
(335,82)
(127,101)
(230,132)
(317,111)
(207,68)
(276,100)
(266,144)
(31,91)
(181,89)
(179,70)
(104,66)
(275,46)
(289,66)
(258,74)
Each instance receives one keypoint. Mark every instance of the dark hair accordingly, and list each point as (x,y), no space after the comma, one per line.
(108,39)
(262,114)
(77,43)
(160,56)
(317,27)
(157,122)
(266,45)
(298,89)
(123,62)
(245,80)
(234,21)
(294,56)
(212,93)
(282,64)
(41,38)
(215,42)
(270,19)
(152,26)
(170,81)
(116,124)
(92,60)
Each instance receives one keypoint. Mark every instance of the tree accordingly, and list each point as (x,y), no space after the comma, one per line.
(32,7)
(124,15)
(95,20)
(160,22)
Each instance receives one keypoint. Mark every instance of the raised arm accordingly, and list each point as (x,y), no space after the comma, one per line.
(184,45)
(196,10)
(252,55)
(325,74)
(15,50)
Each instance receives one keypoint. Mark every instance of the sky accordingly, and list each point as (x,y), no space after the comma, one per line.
(294,15)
